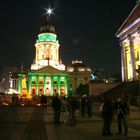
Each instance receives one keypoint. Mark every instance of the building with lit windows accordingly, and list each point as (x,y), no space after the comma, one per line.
(129,37)
(47,49)
(47,75)
(78,73)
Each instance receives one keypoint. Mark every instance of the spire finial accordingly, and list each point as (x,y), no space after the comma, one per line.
(22,65)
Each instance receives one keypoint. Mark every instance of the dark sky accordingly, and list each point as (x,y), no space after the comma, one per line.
(85,28)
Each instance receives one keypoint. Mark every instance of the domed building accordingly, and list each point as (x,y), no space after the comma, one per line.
(47,75)
(47,48)
(79,73)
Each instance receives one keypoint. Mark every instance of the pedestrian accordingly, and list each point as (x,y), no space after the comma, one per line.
(43,101)
(107,114)
(83,105)
(89,106)
(122,111)
(56,105)
(72,107)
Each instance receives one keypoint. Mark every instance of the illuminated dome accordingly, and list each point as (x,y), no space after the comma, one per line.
(77,66)
(47,27)
(47,48)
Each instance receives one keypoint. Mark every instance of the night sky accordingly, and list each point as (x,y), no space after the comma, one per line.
(85,29)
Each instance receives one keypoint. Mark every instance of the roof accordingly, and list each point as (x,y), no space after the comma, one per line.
(133,16)
(47,27)
(48,70)
(77,66)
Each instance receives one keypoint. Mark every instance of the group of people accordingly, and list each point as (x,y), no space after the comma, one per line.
(118,110)
(69,106)
(112,110)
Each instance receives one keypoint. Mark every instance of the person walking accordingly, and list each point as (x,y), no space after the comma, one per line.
(83,105)
(56,105)
(89,106)
(107,114)
(43,101)
(122,111)
(72,107)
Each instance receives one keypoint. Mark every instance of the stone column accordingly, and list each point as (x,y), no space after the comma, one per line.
(19,84)
(59,85)
(37,85)
(66,86)
(123,62)
(29,83)
(52,90)
(132,57)
(44,84)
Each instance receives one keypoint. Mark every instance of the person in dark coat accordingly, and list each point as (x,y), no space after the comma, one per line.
(107,114)
(122,110)
(56,105)
(72,107)
(83,105)
(43,101)
(89,106)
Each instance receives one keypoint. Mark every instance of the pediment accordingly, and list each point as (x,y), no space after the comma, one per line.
(133,16)
(48,70)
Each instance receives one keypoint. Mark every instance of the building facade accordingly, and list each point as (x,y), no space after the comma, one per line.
(129,37)
(78,73)
(47,49)
(47,81)
(47,75)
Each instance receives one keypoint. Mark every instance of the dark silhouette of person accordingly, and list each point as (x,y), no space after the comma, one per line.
(122,110)
(56,105)
(15,100)
(83,105)
(72,107)
(86,106)
(107,114)
(89,106)
(43,101)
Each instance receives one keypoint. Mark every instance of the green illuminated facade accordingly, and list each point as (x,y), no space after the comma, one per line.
(48,75)
(47,81)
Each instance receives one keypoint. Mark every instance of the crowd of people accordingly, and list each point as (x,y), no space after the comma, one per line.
(112,110)
(69,106)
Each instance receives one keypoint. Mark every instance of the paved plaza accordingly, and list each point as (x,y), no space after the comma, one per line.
(29,123)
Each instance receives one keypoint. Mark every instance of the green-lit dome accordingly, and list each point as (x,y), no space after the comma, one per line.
(47,33)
